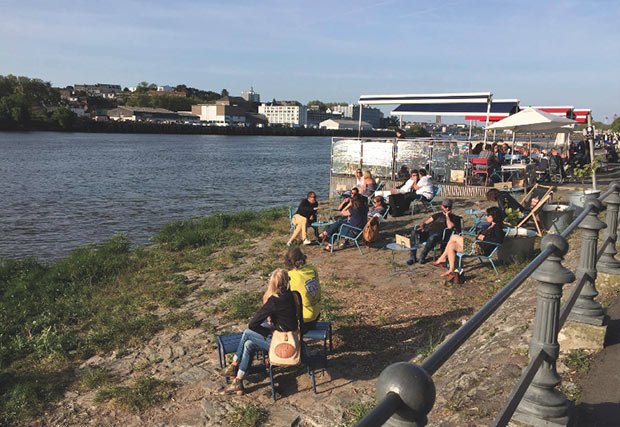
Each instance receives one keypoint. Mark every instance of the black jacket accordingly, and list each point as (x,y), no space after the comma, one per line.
(283,312)
(306,209)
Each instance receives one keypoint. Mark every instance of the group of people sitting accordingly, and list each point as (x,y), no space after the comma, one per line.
(292,302)
(444,229)
(418,186)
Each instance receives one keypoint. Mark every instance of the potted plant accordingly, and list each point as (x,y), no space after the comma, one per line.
(519,242)
(578,198)
(556,216)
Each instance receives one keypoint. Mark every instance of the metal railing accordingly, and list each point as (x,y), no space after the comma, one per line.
(406,392)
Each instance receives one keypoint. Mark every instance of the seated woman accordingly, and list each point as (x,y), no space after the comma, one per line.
(378,207)
(494,233)
(283,314)
(357,217)
(369,184)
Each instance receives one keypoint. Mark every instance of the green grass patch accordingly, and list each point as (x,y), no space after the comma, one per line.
(248,415)
(27,392)
(141,394)
(93,378)
(209,294)
(181,321)
(578,360)
(354,412)
(240,305)
(220,229)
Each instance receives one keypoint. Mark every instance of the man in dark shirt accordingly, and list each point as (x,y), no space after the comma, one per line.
(305,216)
(433,231)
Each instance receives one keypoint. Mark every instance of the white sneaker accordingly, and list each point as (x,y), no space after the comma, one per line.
(307,242)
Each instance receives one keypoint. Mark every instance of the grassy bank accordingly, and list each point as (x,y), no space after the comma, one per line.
(102,298)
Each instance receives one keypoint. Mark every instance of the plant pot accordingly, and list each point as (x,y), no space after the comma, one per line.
(518,245)
(556,217)
(578,198)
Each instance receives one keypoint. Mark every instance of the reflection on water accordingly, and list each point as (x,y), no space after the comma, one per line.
(63,190)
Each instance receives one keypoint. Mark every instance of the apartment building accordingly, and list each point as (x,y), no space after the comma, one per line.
(285,113)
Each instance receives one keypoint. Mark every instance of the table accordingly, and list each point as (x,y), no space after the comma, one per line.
(395,247)
(526,172)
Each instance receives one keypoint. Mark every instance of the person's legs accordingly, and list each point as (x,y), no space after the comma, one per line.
(298,228)
(414,240)
(457,246)
(250,343)
(396,202)
(302,223)
(430,244)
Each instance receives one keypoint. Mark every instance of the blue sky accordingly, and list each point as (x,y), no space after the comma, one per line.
(541,52)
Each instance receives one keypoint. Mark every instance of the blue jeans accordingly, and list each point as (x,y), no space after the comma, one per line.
(250,343)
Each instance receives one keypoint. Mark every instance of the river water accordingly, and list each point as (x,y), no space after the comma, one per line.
(62,190)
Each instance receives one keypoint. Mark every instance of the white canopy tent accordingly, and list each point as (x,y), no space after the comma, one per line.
(533,120)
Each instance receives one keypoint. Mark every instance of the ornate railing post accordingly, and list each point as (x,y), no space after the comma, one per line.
(542,402)
(586,310)
(414,387)
(608,263)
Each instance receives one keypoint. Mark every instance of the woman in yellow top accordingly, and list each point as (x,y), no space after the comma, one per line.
(305,280)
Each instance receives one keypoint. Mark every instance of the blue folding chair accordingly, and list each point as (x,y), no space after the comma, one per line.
(481,257)
(347,233)
(424,203)
(291,212)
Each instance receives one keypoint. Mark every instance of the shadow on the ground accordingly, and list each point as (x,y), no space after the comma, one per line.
(365,350)
(598,414)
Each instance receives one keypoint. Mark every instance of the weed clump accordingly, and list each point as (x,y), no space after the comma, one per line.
(143,393)
(248,416)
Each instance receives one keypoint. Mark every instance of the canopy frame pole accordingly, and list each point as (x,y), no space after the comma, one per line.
(487,121)
(591,145)
(359,123)
(470,129)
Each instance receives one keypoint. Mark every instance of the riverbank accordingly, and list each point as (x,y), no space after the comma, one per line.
(112,335)
(92,126)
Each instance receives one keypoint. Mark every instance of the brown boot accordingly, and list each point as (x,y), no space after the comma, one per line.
(236,387)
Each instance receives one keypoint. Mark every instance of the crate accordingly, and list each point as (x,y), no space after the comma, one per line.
(457,176)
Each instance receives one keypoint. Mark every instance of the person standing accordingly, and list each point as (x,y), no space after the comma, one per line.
(306,214)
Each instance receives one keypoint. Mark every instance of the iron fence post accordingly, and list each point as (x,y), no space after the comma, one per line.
(416,389)
(608,263)
(542,402)
(586,310)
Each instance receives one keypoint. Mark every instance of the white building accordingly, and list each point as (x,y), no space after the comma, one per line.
(339,124)
(287,113)
(165,88)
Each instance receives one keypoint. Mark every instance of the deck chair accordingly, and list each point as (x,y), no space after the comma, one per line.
(481,257)
(543,194)
(344,233)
